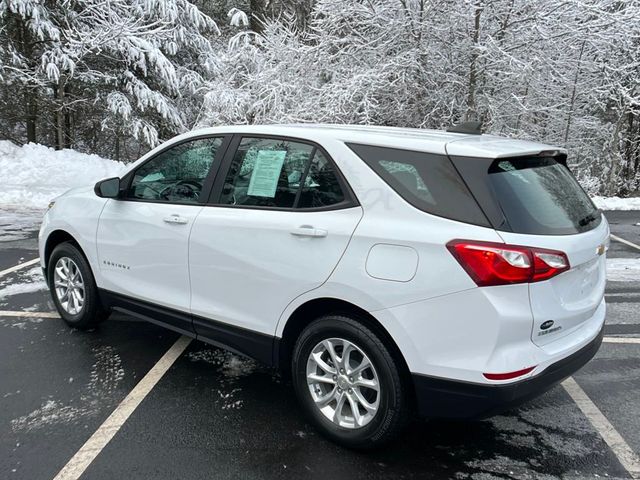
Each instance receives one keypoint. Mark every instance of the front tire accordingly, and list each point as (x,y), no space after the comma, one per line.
(348,382)
(73,288)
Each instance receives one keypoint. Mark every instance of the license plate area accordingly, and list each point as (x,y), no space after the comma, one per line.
(564,303)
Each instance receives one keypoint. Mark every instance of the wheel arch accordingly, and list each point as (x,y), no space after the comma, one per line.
(54,239)
(306,313)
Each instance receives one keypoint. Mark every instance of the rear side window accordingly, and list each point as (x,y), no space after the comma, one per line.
(321,187)
(266,173)
(427,181)
(539,196)
(278,173)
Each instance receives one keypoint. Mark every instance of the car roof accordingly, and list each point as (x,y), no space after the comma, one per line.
(432,141)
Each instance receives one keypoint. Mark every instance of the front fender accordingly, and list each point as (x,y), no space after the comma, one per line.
(77,215)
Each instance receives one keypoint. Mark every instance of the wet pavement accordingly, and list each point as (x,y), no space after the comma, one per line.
(216,415)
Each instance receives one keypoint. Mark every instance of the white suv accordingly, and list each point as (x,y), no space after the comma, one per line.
(387,270)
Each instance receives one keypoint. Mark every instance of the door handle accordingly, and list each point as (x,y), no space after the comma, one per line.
(308,231)
(177,219)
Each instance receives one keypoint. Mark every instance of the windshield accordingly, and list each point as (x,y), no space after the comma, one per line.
(540,196)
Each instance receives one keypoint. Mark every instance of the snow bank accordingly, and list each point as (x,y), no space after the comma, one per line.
(617,203)
(32,175)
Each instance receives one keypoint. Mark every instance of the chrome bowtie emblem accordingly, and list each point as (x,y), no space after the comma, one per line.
(546,325)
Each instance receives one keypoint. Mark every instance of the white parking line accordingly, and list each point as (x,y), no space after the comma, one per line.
(19,266)
(11,313)
(621,340)
(101,437)
(626,242)
(621,449)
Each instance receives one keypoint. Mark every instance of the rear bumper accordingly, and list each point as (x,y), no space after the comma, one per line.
(442,398)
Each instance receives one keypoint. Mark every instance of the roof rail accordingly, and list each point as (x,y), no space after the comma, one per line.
(472,128)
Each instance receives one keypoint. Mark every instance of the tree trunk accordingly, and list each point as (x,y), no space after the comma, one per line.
(117,148)
(473,73)
(614,154)
(24,43)
(634,138)
(59,123)
(63,137)
(31,115)
(256,8)
(631,147)
(524,99)
(573,94)
(68,137)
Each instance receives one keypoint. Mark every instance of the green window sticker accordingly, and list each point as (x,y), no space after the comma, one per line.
(266,173)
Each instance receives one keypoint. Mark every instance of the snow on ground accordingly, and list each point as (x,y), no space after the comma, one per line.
(31,281)
(32,175)
(20,288)
(232,367)
(51,412)
(18,224)
(104,380)
(617,203)
(623,269)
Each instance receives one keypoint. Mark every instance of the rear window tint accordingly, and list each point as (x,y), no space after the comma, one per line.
(427,181)
(540,196)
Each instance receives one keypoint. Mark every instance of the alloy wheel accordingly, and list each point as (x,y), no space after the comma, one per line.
(343,383)
(69,286)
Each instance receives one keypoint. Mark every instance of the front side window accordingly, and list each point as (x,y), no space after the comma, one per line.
(278,173)
(177,174)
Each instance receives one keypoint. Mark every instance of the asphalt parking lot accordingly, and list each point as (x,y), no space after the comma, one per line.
(216,415)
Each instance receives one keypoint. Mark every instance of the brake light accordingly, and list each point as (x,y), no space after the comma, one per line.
(490,263)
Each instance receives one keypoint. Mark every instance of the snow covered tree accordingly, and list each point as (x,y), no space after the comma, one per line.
(26,29)
(563,72)
(130,60)
(117,76)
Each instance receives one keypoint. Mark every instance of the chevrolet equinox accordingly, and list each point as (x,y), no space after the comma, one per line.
(386,270)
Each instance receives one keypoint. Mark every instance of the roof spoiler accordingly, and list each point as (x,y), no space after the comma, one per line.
(558,155)
(471,128)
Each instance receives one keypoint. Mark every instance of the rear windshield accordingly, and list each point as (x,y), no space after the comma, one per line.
(427,181)
(539,196)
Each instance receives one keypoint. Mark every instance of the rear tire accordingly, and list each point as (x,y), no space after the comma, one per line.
(73,288)
(357,406)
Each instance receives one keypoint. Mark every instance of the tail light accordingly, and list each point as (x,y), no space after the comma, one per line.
(489,263)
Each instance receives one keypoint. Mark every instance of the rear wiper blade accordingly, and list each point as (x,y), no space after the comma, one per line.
(588,219)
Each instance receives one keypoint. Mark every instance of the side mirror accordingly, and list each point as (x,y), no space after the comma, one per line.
(109,188)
